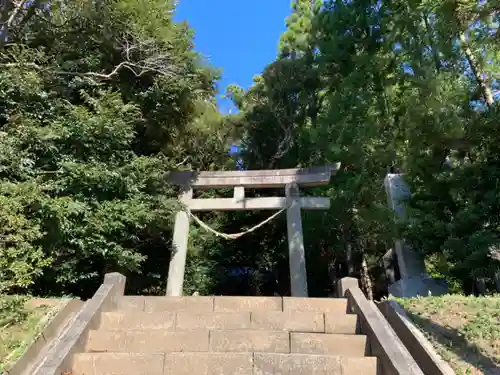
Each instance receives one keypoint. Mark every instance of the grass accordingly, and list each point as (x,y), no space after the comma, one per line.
(465,331)
(21,321)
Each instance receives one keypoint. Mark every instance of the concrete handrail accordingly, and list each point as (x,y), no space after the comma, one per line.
(393,357)
(52,326)
(417,344)
(70,341)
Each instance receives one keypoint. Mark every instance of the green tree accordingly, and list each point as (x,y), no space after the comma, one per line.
(98,100)
(394,87)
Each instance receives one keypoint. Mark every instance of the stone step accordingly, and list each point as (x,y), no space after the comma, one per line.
(187,363)
(288,321)
(250,341)
(156,340)
(180,321)
(160,304)
(231,304)
(304,321)
(296,321)
(137,320)
(117,364)
(326,305)
(342,323)
(147,341)
(310,364)
(335,344)
(213,320)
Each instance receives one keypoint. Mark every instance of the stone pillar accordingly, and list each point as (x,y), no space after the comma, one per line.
(414,278)
(177,265)
(297,258)
(410,263)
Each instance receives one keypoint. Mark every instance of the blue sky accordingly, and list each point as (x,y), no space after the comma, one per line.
(239,36)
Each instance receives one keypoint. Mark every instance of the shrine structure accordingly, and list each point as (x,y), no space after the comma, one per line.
(288,179)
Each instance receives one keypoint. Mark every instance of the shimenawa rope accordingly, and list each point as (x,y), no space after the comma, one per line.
(234,236)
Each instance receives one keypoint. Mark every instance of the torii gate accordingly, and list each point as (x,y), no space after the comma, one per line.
(290,179)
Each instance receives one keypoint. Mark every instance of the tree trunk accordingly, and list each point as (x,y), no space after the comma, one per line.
(481,81)
(497,281)
(365,279)
(435,52)
(12,16)
(12,10)
(389,261)
(480,286)
(349,260)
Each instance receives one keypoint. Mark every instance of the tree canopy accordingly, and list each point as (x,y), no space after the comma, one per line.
(100,99)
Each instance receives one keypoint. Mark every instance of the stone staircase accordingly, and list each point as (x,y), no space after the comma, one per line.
(225,335)
(114,334)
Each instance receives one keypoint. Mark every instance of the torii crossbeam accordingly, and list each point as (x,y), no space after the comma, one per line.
(290,179)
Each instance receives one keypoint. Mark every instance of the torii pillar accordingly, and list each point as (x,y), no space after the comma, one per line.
(296,250)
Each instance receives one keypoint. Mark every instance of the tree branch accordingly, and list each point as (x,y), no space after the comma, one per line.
(14,8)
(150,60)
(483,85)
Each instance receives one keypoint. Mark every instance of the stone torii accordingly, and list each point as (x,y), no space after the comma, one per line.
(289,179)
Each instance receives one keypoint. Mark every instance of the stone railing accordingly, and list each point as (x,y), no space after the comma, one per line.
(70,341)
(393,357)
(414,340)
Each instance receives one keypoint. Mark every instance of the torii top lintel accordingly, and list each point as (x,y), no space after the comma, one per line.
(305,177)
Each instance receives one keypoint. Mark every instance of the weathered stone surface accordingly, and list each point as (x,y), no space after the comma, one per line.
(397,192)
(358,366)
(346,283)
(417,344)
(54,325)
(209,364)
(137,320)
(151,341)
(176,304)
(59,354)
(411,264)
(212,320)
(296,364)
(298,321)
(320,343)
(249,341)
(393,357)
(220,364)
(178,256)
(262,203)
(296,251)
(117,364)
(341,323)
(227,303)
(135,303)
(332,305)
(257,179)
(238,194)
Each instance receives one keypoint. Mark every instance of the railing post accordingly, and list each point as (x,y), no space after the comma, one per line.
(344,284)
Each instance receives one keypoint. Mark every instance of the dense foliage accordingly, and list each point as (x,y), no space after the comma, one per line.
(393,86)
(99,99)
